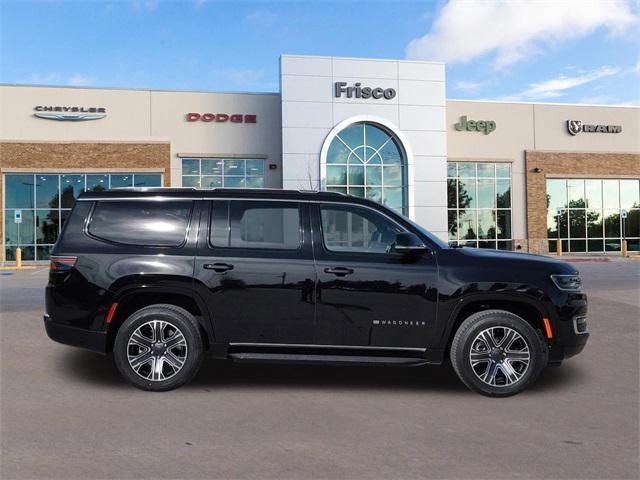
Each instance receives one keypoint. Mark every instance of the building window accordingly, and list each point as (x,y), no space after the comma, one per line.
(367,161)
(479,201)
(45,201)
(222,173)
(587,214)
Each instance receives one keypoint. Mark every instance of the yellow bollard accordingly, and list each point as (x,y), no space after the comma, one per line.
(18,257)
(559,247)
(623,250)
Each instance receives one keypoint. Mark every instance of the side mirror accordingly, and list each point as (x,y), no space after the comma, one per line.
(407,243)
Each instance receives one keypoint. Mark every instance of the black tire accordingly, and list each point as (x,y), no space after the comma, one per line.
(468,333)
(191,354)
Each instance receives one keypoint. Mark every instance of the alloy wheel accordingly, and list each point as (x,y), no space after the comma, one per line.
(157,350)
(499,356)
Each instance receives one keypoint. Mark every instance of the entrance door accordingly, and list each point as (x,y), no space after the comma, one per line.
(255,265)
(366,295)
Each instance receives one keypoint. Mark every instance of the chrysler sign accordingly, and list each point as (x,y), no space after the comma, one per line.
(574,127)
(69,113)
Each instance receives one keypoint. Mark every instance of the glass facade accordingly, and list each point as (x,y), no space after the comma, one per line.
(587,214)
(223,172)
(366,161)
(45,201)
(479,204)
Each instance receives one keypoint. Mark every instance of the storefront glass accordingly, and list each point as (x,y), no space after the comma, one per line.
(45,201)
(479,202)
(366,161)
(587,215)
(223,172)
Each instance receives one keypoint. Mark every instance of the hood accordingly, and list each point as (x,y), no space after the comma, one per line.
(499,256)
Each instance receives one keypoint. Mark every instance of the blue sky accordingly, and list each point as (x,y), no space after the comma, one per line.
(549,50)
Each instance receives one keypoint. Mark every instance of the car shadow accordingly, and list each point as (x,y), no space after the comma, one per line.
(216,374)
(100,370)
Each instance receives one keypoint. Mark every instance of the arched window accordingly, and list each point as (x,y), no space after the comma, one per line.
(367,161)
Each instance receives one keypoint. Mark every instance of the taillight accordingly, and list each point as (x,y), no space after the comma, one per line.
(61,264)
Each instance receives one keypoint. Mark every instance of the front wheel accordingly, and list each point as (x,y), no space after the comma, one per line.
(497,353)
(159,348)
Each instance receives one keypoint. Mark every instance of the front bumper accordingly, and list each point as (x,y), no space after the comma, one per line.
(78,337)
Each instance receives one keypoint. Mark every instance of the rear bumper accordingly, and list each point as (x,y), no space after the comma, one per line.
(78,337)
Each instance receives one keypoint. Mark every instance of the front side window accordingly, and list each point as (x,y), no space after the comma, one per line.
(256,225)
(367,161)
(223,172)
(356,229)
(162,224)
(479,204)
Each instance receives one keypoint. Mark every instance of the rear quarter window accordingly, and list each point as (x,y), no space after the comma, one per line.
(145,223)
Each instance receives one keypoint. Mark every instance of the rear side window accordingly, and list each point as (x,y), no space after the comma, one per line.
(161,224)
(270,225)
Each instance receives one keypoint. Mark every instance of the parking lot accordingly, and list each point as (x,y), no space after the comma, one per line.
(65,413)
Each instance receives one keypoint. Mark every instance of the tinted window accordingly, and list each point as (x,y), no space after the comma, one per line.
(355,229)
(141,223)
(273,225)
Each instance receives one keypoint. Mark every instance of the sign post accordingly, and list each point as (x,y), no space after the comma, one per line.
(17,218)
(623,249)
(558,241)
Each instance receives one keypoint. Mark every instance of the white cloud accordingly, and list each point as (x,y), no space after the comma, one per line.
(145,5)
(558,86)
(42,79)
(261,18)
(468,86)
(78,80)
(513,31)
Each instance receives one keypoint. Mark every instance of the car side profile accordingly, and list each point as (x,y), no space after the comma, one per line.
(162,278)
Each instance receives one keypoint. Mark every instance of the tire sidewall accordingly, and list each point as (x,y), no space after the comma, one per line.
(499,319)
(174,317)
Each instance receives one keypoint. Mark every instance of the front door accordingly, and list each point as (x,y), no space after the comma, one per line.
(366,295)
(255,265)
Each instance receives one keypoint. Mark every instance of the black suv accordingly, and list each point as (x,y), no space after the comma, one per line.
(162,277)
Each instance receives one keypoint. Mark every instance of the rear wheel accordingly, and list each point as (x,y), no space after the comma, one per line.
(159,348)
(497,353)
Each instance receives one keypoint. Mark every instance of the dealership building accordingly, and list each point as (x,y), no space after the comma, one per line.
(502,175)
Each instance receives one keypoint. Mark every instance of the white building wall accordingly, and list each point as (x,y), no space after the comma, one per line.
(417,114)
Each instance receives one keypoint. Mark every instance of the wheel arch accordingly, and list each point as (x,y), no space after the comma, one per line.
(529,309)
(132,299)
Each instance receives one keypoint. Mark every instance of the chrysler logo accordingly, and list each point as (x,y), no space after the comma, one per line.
(69,114)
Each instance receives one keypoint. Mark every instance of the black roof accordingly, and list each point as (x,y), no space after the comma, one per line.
(196,193)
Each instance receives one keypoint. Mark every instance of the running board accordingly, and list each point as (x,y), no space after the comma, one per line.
(326,359)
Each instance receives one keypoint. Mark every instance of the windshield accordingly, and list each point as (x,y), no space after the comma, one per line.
(434,239)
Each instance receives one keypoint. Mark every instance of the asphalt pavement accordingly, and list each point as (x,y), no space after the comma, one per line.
(65,413)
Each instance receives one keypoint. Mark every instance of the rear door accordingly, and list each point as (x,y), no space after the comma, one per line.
(255,264)
(366,295)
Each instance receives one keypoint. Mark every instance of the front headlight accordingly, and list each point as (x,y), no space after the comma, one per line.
(571,283)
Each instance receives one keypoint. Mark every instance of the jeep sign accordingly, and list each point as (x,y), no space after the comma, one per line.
(484,126)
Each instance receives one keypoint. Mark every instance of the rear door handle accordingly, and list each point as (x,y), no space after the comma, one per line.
(339,271)
(218,267)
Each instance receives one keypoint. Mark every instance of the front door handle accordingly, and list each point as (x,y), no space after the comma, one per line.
(339,271)
(218,267)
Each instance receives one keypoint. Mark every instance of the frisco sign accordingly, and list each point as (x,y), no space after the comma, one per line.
(574,127)
(69,114)
(358,91)
(221,117)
